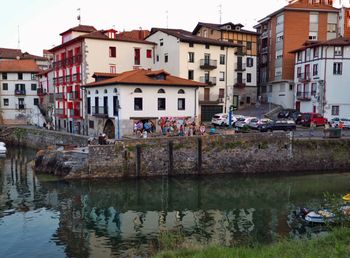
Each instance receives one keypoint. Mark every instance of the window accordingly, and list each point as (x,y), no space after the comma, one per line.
(161,103)
(36,102)
(137,56)
(6,102)
(335,110)
(137,90)
(308,54)
(166,58)
(181,104)
(190,44)
(313,89)
(89,105)
(282,88)
(112,69)
(5,86)
(207,46)
(112,52)
(300,56)
(222,48)
(331,27)
(191,57)
(222,59)
(33,87)
(149,53)
(316,52)
(190,74)
(315,70)
(20,76)
(337,68)
(222,76)
(161,42)
(137,104)
(205,33)
(249,45)
(270,88)
(115,105)
(33,76)
(161,91)
(91,124)
(181,91)
(157,58)
(313,35)
(338,51)
(4,76)
(299,74)
(249,77)
(250,62)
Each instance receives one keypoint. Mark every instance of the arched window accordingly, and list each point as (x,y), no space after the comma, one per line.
(96,91)
(161,91)
(181,91)
(89,92)
(105,91)
(137,90)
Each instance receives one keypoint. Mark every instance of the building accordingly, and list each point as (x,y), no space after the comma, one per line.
(285,30)
(18,92)
(115,104)
(84,51)
(246,65)
(200,59)
(322,84)
(134,34)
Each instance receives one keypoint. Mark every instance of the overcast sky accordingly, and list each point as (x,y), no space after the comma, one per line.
(41,21)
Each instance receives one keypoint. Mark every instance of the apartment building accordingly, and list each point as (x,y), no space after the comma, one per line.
(18,92)
(201,59)
(84,51)
(245,85)
(285,30)
(322,84)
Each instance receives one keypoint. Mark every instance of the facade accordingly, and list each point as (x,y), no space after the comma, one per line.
(199,59)
(18,92)
(285,30)
(322,83)
(245,86)
(115,103)
(85,50)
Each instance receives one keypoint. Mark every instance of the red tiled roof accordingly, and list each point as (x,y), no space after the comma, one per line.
(104,75)
(80,28)
(219,27)
(333,42)
(146,77)
(8,53)
(134,34)
(19,66)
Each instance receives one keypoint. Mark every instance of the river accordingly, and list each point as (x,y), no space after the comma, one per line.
(41,216)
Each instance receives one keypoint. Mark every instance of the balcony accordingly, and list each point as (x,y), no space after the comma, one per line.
(265,34)
(68,79)
(74,95)
(303,96)
(211,81)
(41,91)
(240,67)
(100,111)
(77,59)
(20,92)
(76,77)
(60,96)
(60,112)
(20,106)
(74,60)
(240,83)
(303,77)
(74,113)
(55,81)
(264,50)
(212,99)
(208,64)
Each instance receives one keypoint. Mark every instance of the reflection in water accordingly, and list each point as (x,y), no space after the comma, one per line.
(104,218)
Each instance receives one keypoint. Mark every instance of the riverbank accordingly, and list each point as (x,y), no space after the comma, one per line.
(334,244)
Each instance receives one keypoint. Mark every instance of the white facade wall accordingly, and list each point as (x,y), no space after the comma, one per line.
(281,93)
(150,97)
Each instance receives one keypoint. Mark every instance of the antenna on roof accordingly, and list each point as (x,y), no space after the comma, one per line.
(19,40)
(167,19)
(79,16)
(220,12)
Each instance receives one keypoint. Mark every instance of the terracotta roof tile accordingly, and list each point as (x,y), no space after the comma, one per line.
(333,42)
(219,27)
(19,66)
(146,77)
(80,28)
(8,53)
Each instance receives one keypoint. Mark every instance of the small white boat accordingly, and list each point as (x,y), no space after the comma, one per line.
(321,216)
(3,149)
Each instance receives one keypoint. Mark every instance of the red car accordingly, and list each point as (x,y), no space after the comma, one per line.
(315,118)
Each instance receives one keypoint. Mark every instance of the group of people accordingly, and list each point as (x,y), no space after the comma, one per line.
(144,128)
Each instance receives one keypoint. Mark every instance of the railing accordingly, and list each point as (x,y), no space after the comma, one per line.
(74,112)
(305,96)
(76,77)
(100,111)
(265,34)
(208,80)
(240,67)
(74,95)
(68,79)
(41,92)
(67,61)
(20,106)
(240,83)
(302,77)
(60,96)
(59,111)
(20,92)
(208,64)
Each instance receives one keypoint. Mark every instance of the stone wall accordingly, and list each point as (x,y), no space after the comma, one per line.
(39,138)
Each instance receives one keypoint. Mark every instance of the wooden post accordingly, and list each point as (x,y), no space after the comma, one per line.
(138,161)
(199,156)
(170,157)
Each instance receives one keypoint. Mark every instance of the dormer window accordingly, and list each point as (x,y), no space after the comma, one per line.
(228,27)
(238,28)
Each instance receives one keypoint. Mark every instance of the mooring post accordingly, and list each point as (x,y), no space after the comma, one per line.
(199,156)
(138,161)
(170,157)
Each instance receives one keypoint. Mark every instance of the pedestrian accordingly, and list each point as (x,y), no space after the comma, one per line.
(202,129)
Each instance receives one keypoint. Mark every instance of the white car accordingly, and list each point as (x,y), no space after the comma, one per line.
(219,119)
(235,118)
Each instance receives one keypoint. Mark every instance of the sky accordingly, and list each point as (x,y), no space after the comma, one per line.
(39,22)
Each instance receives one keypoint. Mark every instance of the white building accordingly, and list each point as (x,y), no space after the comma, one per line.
(200,59)
(18,92)
(321,78)
(115,104)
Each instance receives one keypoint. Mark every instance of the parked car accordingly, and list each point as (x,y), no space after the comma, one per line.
(219,119)
(335,122)
(290,114)
(282,124)
(234,119)
(244,122)
(315,118)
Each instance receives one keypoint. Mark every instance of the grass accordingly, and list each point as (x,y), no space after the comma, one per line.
(334,244)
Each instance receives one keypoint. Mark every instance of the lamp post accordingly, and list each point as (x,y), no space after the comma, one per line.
(117,114)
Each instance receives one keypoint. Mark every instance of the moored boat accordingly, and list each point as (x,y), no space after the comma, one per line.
(3,149)
(346,197)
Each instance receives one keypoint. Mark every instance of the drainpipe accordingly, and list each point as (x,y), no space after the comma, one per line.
(324,82)
(195,103)
(225,96)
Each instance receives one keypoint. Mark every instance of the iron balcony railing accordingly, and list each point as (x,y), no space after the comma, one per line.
(20,92)
(60,96)
(208,80)
(59,111)
(240,83)
(208,64)
(20,106)
(73,112)
(74,95)
(240,67)
(100,111)
(303,95)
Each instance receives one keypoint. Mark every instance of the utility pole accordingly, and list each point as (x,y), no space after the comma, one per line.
(220,13)
(167,18)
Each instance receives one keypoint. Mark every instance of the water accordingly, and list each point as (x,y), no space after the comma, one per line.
(42,217)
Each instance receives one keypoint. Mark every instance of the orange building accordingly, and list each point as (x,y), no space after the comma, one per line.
(289,28)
